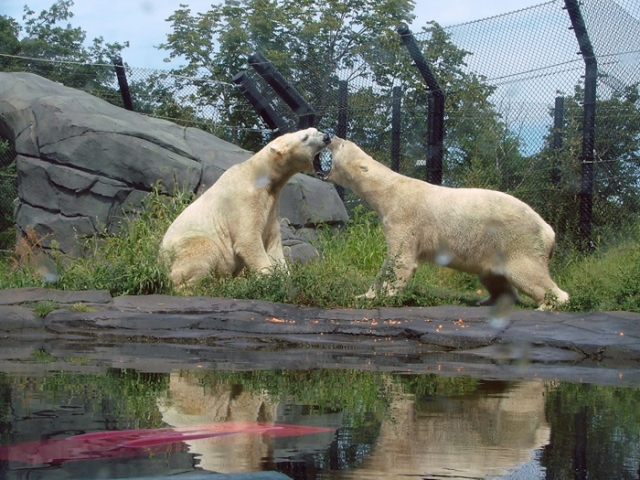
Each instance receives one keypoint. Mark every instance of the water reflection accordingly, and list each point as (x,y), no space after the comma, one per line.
(187,403)
(486,432)
(468,436)
(381,425)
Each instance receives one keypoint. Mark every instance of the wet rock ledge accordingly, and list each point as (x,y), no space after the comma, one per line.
(412,338)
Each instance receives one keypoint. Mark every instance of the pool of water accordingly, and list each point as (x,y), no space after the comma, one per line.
(311,424)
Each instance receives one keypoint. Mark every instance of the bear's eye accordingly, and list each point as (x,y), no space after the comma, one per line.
(306,135)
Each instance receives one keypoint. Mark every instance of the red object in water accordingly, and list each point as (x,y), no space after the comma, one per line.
(131,443)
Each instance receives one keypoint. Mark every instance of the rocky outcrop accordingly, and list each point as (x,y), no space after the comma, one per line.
(81,162)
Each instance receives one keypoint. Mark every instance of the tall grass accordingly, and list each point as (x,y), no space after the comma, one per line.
(127,263)
(122,263)
(608,279)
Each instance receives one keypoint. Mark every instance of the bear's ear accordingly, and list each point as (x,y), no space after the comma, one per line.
(277,146)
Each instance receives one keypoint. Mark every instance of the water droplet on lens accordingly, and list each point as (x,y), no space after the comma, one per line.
(498,323)
(499,316)
(262,181)
(443,255)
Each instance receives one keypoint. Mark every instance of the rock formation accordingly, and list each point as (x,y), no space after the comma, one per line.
(81,162)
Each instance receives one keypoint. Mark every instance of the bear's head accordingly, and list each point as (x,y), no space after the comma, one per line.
(296,151)
(344,157)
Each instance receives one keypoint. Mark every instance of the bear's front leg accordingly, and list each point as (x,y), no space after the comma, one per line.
(395,273)
(254,256)
(275,252)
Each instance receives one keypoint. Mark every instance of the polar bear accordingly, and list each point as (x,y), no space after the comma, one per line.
(235,224)
(484,232)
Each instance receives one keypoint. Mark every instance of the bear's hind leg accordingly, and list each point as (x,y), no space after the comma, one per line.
(497,286)
(194,260)
(532,278)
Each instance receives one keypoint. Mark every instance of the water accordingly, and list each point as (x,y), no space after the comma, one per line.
(374,425)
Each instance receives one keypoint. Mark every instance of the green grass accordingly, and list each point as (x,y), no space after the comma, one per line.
(608,279)
(44,308)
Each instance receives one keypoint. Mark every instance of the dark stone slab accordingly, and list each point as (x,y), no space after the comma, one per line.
(15,318)
(18,296)
(164,333)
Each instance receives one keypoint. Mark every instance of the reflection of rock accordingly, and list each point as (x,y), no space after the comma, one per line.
(460,437)
(189,404)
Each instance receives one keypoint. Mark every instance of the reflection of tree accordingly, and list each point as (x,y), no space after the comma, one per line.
(5,408)
(595,432)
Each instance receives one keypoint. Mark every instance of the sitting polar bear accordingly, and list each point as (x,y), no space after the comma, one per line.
(235,224)
(483,232)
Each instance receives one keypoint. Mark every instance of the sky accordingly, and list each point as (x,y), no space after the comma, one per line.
(143,22)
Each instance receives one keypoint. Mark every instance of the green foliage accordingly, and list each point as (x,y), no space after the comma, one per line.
(363,397)
(309,41)
(127,263)
(42,356)
(350,261)
(9,190)
(81,307)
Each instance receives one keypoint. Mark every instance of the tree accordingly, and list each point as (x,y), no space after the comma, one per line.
(309,41)
(480,149)
(315,45)
(60,50)
(616,195)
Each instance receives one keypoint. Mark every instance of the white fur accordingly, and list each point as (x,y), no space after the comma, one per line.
(235,224)
(483,232)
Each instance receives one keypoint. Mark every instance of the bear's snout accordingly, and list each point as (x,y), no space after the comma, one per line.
(326,139)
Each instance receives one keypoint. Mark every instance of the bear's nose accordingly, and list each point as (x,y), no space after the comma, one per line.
(326,139)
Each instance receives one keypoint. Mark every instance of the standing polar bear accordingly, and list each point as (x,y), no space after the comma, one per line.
(483,232)
(234,224)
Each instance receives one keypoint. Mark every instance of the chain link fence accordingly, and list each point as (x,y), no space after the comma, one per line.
(513,106)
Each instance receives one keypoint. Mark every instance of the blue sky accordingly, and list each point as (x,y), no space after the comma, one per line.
(142,22)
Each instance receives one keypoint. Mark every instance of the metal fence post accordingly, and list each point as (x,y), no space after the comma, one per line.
(589,117)
(435,138)
(343,104)
(558,132)
(306,114)
(396,127)
(435,134)
(122,83)
(252,93)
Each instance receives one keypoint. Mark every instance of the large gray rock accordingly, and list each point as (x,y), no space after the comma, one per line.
(82,161)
